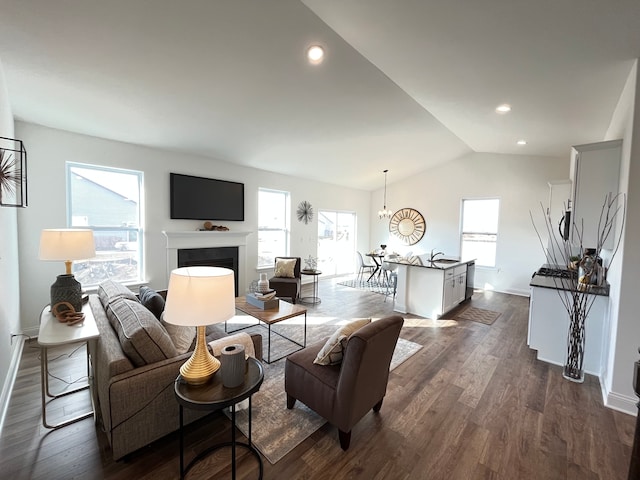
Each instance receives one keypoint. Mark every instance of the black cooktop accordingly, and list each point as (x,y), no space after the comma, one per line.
(556,272)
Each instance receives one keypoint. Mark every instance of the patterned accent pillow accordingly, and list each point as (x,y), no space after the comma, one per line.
(332,351)
(285,268)
(181,336)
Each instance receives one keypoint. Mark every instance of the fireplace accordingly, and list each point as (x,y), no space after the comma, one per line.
(210,257)
(204,240)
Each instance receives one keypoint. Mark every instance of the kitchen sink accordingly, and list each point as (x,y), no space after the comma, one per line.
(445,260)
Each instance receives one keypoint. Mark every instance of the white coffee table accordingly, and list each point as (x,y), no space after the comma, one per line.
(53,333)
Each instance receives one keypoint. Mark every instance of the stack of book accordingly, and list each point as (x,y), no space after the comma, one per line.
(266,300)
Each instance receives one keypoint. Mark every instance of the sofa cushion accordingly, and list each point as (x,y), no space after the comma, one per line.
(285,268)
(152,300)
(181,335)
(109,291)
(143,339)
(332,351)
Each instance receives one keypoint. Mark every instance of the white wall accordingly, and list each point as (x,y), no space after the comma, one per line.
(9,274)
(623,313)
(49,149)
(519,181)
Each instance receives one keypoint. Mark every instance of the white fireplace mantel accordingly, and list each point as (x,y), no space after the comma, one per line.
(206,239)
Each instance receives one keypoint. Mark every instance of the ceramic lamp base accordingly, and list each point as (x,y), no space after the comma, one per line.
(67,289)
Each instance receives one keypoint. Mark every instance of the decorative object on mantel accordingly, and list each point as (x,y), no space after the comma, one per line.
(305,212)
(384,213)
(578,293)
(208,226)
(311,264)
(408,225)
(13,173)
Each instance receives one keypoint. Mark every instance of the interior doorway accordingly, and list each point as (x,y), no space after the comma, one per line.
(336,242)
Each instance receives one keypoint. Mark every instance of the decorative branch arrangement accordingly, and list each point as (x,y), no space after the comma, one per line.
(577,292)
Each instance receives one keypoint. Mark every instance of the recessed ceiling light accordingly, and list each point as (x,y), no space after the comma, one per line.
(521,142)
(315,54)
(504,108)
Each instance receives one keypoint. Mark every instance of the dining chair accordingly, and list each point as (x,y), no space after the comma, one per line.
(364,265)
(390,274)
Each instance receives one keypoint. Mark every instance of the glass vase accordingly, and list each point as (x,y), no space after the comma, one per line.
(573,367)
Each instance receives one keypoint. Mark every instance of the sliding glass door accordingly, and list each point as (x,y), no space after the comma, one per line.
(336,242)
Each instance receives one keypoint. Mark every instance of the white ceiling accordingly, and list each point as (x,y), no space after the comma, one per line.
(406,84)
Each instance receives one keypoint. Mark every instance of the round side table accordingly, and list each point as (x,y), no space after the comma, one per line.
(214,396)
(314,299)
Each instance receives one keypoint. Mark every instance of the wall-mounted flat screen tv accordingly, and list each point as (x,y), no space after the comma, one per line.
(198,198)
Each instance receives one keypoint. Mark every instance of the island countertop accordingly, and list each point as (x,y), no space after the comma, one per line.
(440,263)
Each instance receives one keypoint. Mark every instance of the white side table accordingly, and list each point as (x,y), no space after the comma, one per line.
(54,333)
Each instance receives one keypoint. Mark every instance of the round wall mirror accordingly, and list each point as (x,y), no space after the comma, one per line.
(408,225)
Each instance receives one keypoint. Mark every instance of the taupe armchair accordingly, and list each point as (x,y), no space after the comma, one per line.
(344,393)
(288,287)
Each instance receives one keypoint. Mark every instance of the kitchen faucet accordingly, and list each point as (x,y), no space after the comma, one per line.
(434,255)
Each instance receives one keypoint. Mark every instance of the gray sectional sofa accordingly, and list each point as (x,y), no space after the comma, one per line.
(135,365)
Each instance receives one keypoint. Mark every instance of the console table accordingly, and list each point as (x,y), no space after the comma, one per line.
(54,333)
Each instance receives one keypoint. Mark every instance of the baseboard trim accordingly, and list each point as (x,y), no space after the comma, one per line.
(516,291)
(621,403)
(7,388)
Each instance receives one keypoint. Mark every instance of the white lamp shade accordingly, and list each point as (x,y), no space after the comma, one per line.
(67,244)
(199,296)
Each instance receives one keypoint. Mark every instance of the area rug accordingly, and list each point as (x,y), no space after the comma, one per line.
(275,430)
(478,315)
(372,286)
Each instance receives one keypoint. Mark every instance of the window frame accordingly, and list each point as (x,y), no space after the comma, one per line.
(480,233)
(135,231)
(286,229)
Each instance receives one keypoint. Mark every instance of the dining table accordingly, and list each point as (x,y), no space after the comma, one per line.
(377,259)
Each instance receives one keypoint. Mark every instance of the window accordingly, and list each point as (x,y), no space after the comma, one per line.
(273,226)
(107,200)
(480,230)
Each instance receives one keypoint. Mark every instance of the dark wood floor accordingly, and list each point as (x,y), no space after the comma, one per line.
(474,403)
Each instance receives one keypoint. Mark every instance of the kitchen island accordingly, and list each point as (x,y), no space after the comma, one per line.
(431,288)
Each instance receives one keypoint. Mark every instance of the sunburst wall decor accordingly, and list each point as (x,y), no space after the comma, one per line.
(408,225)
(13,173)
(305,212)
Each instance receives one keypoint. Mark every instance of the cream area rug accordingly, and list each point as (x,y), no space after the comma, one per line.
(275,430)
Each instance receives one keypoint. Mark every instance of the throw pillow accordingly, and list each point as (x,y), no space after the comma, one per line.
(142,338)
(332,351)
(181,336)
(285,268)
(108,291)
(152,300)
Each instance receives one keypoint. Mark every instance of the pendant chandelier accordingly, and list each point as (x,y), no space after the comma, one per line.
(384,213)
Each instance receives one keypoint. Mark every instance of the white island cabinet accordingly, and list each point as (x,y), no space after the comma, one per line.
(549,329)
(430,291)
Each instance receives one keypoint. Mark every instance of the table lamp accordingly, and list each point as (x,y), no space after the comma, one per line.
(66,245)
(197,297)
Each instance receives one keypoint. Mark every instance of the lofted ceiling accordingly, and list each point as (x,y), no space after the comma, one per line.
(405,85)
